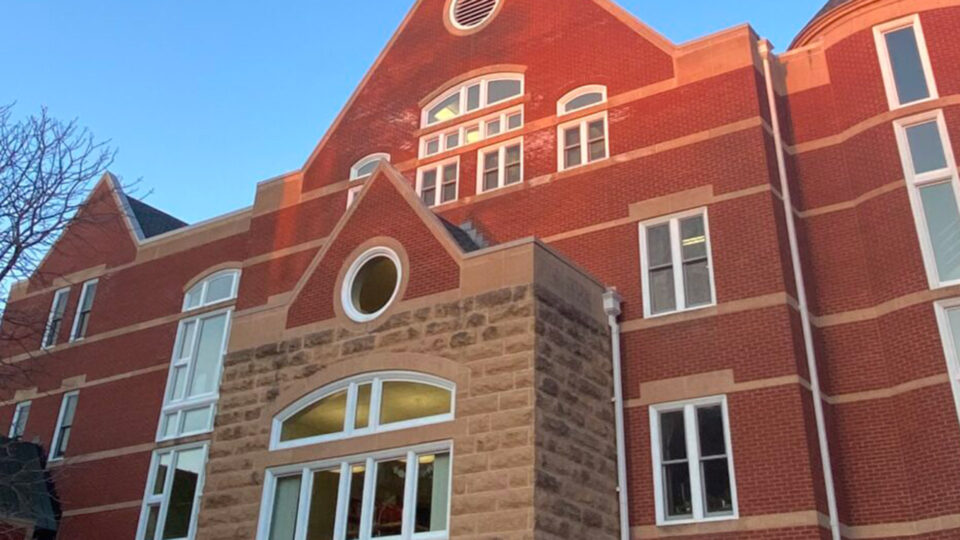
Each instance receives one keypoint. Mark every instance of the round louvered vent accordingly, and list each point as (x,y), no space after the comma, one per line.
(468,14)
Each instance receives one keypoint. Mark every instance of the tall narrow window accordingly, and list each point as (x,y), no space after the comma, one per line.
(20,416)
(675,262)
(582,141)
(931,175)
(55,320)
(437,183)
(84,307)
(61,435)
(904,61)
(693,466)
(172,496)
(500,166)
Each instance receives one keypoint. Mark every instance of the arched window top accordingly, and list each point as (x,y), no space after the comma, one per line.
(364,405)
(473,95)
(213,289)
(581,98)
(367,165)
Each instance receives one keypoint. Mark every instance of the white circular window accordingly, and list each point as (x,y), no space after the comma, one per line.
(467,14)
(371,284)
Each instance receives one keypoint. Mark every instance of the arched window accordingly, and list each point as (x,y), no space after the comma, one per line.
(364,405)
(581,98)
(218,287)
(473,95)
(367,165)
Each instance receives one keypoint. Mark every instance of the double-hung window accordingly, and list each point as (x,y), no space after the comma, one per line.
(84,307)
(172,496)
(931,175)
(61,435)
(583,141)
(693,464)
(19,423)
(500,166)
(437,182)
(905,62)
(675,264)
(55,320)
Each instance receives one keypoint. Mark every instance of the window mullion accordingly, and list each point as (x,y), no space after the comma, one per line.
(376,390)
(409,496)
(303,506)
(693,454)
(584,143)
(676,254)
(343,502)
(349,421)
(369,488)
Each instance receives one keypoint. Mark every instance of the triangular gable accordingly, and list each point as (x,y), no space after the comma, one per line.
(385,207)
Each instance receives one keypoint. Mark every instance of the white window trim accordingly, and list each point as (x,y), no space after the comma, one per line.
(352,194)
(76,316)
(480,124)
(351,384)
(453,19)
(677,258)
(164,498)
(501,177)
(584,140)
(355,169)
(462,90)
(60,417)
(577,92)
(951,354)
(49,327)
(346,290)
(178,408)
(17,413)
(370,460)
(915,182)
(886,67)
(235,287)
(438,167)
(693,456)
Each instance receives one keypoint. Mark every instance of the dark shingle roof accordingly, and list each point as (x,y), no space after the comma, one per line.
(25,493)
(153,222)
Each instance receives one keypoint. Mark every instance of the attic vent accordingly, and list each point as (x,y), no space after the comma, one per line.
(467,14)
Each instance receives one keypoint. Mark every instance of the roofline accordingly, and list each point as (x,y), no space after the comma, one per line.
(823,20)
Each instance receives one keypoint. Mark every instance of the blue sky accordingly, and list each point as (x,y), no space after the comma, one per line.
(203,99)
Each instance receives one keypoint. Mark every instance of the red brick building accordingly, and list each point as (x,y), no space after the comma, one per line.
(415,335)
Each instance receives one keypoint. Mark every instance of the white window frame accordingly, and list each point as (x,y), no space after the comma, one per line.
(438,168)
(60,417)
(462,90)
(584,140)
(18,413)
(49,327)
(352,385)
(204,284)
(482,125)
(677,259)
(179,408)
(502,173)
(149,499)
(950,351)
(352,194)
(577,92)
(886,66)
(346,290)
(370,461)
(76,316)
(915,182)
(363,162)
(693,458)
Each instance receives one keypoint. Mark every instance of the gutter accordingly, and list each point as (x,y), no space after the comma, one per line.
(765,49)
(611,306)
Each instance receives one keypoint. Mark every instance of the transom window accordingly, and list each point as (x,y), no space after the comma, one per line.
(931,175)
(55,320)
(437,183)
(582,141)
(904,62)
(172,496)
(362,406)
(581,98)
(693,464)
(472,132)
(473,96)
(400,494)
(217,288)
(500,166)
(675,263)
(367,165)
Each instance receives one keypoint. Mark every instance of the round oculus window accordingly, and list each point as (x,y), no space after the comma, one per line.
(371,284)
(469,14)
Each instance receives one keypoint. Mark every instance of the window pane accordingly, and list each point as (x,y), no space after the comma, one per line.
(185,347)
(433,146)
(178,383)
(355,504)
(514,121)
(907,67)
(445,110)
(196,420)
(362,416)
(388,501)
(571,136)
(193,297)
(453,140)
(943,226)
(209,354)
(403,400)
(658,245)
(449,192)
(153,515)
(585,100)
(169,425)
(61,305)
(696,283)
(322,418)
(662,292)
(472,134)
(716,485)
(429,196)
(595,130)
(186,476)
(473,97)
(450,172)
(433,485)
(501,90)
(926,147)
(493,127)
(693,238)
(69,409)
(221,288)
(90,292)
(491,180)
(160,478)
(597,150)
(710,427)
(286,500)
(676,484)
(367,168)
(429,179)
(491,160)
(323,505)
(672,436)
(571,157)
(512,174)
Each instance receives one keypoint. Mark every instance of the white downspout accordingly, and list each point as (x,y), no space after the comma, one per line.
(611,305)
(766,53)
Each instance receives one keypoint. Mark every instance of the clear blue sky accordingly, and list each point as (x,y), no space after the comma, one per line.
(205,98)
